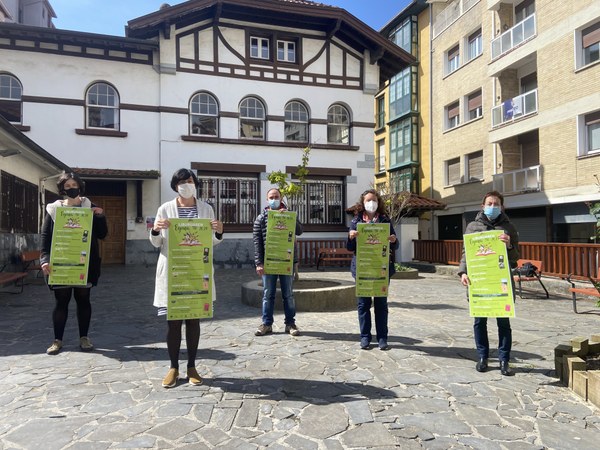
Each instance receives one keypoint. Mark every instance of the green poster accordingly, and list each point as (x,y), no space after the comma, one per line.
(70,252)
(372,259)
(279,248)
(490,291)
(190,269)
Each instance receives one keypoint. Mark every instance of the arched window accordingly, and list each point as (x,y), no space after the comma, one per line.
(338,125)
(204,115)
(252,119)
(102,106)
(296,122)
(10,98)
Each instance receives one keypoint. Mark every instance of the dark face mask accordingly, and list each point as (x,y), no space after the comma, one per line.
(72,193)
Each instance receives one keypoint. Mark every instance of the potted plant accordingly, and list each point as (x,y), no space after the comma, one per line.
(405,272)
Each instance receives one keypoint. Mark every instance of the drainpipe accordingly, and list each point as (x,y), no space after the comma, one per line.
(42,200)
(494,145)
(431,112)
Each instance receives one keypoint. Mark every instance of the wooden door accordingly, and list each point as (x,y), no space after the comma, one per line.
(112,248)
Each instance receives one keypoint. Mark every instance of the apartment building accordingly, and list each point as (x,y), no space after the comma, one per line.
(37,13)
(233,89)
(516,108)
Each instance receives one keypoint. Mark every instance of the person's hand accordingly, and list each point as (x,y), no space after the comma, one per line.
(217,226)
(392,238)
(352,234)
(260,270)
(505,238)
(161,224)
(46,269)
(464,279)
(97,211)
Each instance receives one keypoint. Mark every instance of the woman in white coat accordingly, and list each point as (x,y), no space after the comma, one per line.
(186,205)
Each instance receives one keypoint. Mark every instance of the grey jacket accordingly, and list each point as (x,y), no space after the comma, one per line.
(502,222)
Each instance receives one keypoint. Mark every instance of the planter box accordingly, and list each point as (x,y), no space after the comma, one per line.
(409,274)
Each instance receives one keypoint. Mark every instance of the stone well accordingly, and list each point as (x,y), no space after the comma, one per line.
(310,294)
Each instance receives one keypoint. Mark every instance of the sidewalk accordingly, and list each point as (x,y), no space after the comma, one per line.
(316,391)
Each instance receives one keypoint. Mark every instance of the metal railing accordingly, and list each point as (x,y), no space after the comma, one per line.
(515,108)
(560,260)
(524,180)
(514,36)
(450,14)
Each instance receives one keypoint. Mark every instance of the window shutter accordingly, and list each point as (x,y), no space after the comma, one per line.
(591,35)
(592,118)
(454,171)
(452,53)
(474,100)
(453,110)
(474,36)
(476,166)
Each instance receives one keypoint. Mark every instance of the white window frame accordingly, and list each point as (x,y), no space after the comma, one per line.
(338,118)
(255,118)
(289,48)
(584,131)
(452,65)
(100,102)
(203,107)
(478,110)
(257,46)
(296,115)
(13,87)
(453,122)
(381,156)
(580,50)
(477,42)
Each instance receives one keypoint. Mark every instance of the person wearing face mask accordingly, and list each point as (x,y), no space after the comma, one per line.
(259,237)
(72,187)
(370,208)
(186,206)
(492,217)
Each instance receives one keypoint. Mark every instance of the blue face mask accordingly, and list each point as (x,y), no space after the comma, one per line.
(274,203)
(492,212)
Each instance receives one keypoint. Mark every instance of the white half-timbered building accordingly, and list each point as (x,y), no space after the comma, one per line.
(233,89)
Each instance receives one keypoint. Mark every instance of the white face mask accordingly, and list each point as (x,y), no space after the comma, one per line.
(371,206)
(187,190)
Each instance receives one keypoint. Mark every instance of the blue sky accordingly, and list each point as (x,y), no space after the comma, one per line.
(111,16)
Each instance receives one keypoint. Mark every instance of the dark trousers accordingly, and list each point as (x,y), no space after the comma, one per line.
(381,317)
(504,338)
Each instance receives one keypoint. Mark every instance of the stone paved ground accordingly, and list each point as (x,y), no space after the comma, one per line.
(317,391)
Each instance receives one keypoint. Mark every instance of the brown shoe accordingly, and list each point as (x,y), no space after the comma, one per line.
(263,329)
(193,377)
(292,330)
(171,379)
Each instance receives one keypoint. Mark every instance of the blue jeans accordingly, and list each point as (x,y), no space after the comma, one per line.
(504,338)
(268,304)
(381,317)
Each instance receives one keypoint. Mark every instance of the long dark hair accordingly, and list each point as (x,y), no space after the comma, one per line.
(359,207)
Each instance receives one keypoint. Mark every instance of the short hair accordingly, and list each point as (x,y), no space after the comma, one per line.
(181,175)
(493,194)
(66,176)
(274,189)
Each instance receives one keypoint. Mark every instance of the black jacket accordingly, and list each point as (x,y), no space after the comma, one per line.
(351,243)
(99,231)
(502,222)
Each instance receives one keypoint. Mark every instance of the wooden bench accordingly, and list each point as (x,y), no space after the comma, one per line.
(7,278)
(537,275)
(334,255)
(31,262)
(589,291)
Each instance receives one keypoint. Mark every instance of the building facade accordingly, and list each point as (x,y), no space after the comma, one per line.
(38,13)
(232,89)
(516,108)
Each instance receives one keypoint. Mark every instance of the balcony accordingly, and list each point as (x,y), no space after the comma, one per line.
(510,39)
(450,14)
(515,108)
(519,181)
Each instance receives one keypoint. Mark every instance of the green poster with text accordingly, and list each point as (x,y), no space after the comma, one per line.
(279,247)
(372,259)
(190,269)
(490,289)
(70,252)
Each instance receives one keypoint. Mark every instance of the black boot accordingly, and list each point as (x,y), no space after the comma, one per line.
(505,369)
(481,365)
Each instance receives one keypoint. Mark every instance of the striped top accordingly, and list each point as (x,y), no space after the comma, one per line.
(187,212)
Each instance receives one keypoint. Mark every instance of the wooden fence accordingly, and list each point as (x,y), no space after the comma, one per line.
(560,260)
